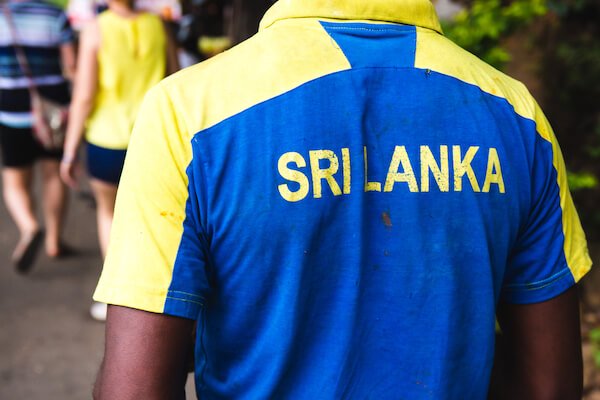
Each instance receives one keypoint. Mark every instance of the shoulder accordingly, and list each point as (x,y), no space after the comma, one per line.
(220,87)
(437,53)
(272,62)
(151,24)
(91,34)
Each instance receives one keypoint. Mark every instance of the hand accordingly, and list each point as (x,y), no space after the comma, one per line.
(69,167)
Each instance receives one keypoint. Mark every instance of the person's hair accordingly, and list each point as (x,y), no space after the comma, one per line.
(128,3)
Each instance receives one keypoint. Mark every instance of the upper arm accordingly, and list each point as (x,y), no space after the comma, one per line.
(86,77)
(539,308)
(550,253)
(145,357)
(67,48)
(154,266)
(68,60)
(542,345)
(157,257)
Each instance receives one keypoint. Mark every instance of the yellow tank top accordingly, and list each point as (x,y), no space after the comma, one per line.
(131,59)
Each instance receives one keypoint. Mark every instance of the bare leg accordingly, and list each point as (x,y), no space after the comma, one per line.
(105,194)
(54,205)
(18,199)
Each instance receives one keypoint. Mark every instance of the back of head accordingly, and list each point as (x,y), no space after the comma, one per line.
(123,3)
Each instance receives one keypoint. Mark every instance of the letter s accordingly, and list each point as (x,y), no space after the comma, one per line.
(292,175)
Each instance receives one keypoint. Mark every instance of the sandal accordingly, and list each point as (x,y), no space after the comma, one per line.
(27,250)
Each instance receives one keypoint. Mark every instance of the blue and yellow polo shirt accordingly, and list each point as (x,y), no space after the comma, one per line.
(341,202)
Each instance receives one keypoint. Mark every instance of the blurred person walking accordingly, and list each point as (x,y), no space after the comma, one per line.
(36,43)
(122,54)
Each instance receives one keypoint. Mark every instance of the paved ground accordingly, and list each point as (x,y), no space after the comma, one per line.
(50,348)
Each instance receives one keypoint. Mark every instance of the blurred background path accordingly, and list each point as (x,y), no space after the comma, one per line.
(50,346)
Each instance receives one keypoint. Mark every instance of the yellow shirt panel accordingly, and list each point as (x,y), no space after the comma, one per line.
(131,59)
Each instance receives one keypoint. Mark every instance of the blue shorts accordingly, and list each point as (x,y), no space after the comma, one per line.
(105,164)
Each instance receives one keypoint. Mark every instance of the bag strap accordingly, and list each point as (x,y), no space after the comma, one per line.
(20,52)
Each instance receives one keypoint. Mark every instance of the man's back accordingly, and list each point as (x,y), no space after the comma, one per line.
(358,195)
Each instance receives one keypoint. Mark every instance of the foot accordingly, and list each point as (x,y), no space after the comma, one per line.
(60,251)
(53,250)
(27,250)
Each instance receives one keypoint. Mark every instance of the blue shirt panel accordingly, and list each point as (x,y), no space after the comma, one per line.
(395,46)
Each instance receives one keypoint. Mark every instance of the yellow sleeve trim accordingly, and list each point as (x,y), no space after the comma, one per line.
(145,299)
(575,246)
(150,208)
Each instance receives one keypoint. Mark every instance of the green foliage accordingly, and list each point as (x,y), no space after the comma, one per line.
(570,71)
(481,27)
(594,336)
(60,3)
(582,180)
(581,55)
(562,7)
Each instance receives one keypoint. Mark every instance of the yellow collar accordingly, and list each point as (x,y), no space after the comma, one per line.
(410,12)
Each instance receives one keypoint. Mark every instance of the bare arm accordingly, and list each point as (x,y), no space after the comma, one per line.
(68,60)
(145,357)
(84,93)
(543,349)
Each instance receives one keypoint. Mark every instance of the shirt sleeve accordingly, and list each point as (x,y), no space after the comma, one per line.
(156,258)
(551,253)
